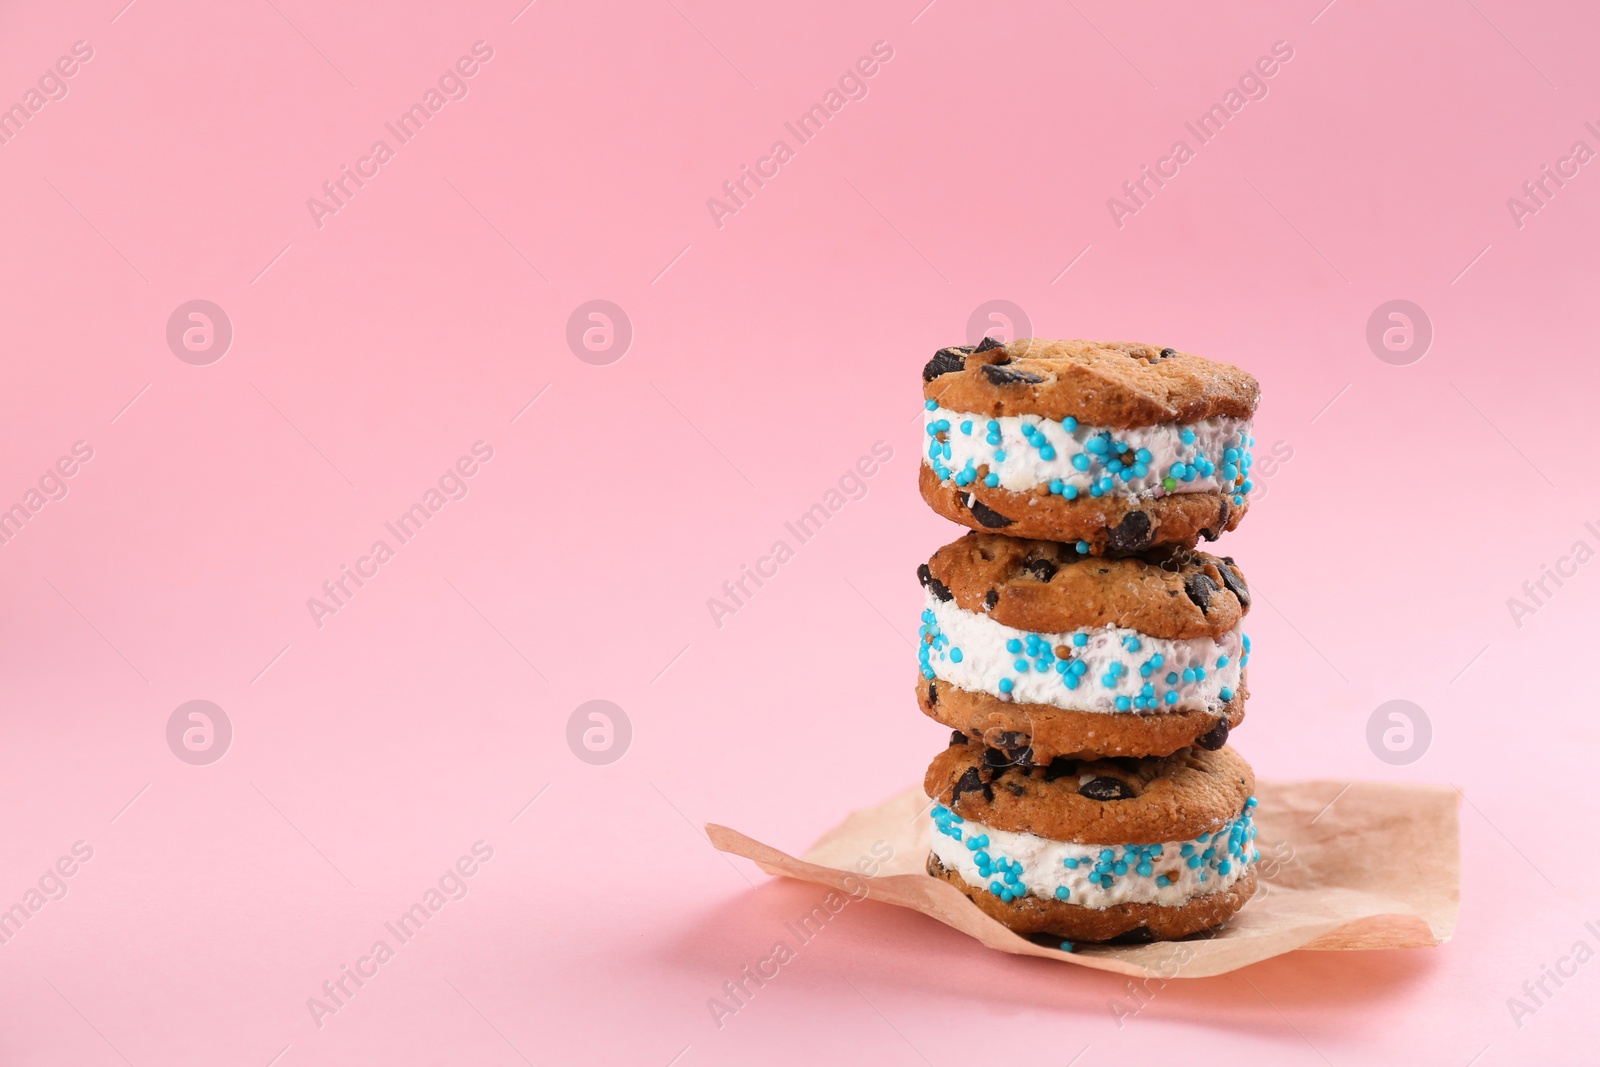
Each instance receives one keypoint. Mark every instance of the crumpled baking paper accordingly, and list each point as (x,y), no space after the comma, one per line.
(1344,865)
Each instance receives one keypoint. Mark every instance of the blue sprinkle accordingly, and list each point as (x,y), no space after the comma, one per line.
(930,405)
(1006,685)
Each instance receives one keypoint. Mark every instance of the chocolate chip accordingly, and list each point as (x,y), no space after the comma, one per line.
(1001,375)
(1166,352)
(1060,767)
(986,515)
(988,343)
(933,585)
(988,793)
(1042,569)
(1234,581)
(1016,788)
(1215,737)
(1106,788)
(969,782)
(1016,753)
(1200,587)
(933,694)
(1132,533)
(957,738)
(990,599)
(1222,520)
(946,361)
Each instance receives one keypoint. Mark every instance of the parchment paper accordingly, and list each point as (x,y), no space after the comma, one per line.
(1344,865)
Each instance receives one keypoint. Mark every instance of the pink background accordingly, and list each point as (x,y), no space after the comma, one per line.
(768,354)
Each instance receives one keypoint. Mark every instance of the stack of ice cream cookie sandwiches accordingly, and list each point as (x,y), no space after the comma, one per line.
(1088,658)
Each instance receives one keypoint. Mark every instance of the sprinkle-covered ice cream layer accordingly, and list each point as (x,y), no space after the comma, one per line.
(1107,669)
(1025,453)
(1011,865)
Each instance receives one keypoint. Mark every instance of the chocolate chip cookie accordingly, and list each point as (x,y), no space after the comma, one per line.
(1095,850)
(1030,644)
(1110,447)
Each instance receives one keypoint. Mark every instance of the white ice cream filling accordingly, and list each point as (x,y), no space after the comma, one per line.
(1011,865)
(1105,669)
(1023,453)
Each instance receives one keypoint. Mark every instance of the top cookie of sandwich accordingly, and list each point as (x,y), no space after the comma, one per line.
(1112,384)
(1048,587)
(1101,801)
